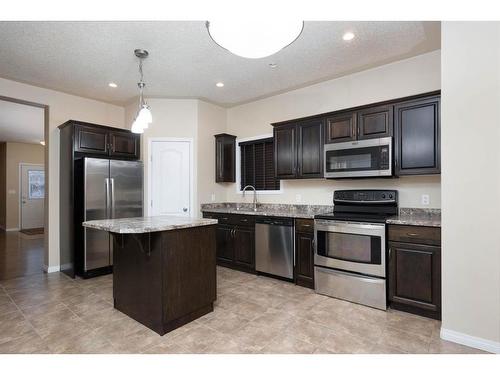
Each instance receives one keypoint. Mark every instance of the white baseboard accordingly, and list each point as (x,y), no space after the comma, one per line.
(472,341)
(12,230)
(51,269)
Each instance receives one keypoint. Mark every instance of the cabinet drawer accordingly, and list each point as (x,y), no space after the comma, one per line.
(415,234)
(231,219)
(304,225)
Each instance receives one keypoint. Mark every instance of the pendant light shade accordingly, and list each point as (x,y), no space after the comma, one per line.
(137,127)
(144,116)
(256,39)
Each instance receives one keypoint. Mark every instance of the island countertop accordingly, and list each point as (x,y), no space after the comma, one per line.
(147,224)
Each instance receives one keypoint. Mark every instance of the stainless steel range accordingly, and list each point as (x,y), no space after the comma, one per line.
(350,251)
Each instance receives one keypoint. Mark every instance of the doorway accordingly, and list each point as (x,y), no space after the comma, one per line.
(32,202)
(24,129)
(171,177)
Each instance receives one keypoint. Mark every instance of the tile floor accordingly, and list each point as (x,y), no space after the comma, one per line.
(55,314)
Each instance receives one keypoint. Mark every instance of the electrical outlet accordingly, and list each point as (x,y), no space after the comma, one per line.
(425,199)
(11,191)
(213,197)
(298,198)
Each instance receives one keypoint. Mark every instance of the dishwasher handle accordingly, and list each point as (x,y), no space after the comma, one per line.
(272,220)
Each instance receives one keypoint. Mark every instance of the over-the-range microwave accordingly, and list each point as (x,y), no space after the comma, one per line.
(364,158)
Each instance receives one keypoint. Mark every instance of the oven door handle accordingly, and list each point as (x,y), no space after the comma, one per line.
(354,228)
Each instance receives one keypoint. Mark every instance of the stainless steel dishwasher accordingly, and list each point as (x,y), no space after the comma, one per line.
(274,249)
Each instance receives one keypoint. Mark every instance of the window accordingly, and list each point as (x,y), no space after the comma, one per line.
(36,184)
(257,164)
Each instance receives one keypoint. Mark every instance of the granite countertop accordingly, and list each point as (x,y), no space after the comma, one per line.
(417,216)
(147,224)
(281,210)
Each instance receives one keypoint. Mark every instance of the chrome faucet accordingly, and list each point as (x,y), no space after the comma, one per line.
(254,195)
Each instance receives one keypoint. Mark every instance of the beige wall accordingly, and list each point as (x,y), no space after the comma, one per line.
(186,118)
(172,118)
(62,107)
(407,77)
(471,183)
(211,121)
(17,153)
(3,184)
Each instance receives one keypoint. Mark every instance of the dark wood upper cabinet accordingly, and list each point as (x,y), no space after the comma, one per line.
(310,149)
(341,127)
(102,140)
(298,149)
(375,122)
(124,144)
(417,137)
(225,158)
(91,139)
(285,151)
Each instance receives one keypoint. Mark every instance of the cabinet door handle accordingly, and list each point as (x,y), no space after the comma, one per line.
(390,253)
(412,234)
(306,225)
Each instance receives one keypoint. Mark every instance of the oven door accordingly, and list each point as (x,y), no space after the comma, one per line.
(365,158)
(348,246)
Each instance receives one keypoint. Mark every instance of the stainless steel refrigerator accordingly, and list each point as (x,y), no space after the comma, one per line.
(112,189)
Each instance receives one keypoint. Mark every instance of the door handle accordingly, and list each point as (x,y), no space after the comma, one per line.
(108,198)
(184,209)
(112,180)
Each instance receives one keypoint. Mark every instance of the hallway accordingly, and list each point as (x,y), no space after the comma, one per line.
(20,254)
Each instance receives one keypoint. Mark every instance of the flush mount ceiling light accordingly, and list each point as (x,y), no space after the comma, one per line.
(219,84)
(256,39)
(113,85)
(348,36)
(144,116)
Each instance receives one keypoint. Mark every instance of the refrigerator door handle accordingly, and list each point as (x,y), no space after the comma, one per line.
(107,195)
(112,198)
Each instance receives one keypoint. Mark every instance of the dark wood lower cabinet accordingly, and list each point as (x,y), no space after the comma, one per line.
(415,278)
(244,247)
(304,253)
(165,279)
(235,241)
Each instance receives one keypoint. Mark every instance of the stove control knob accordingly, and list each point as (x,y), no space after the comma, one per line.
(390,196)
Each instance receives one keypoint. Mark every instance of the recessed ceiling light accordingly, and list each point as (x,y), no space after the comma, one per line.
(42,143)
(348,36)
(113,85)
(273,65)
(219,84)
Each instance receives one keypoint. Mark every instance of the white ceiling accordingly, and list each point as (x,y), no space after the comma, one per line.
(21,123)
(83,57)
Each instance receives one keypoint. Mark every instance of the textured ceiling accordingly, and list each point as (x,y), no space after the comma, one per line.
(21,123)
(83,57)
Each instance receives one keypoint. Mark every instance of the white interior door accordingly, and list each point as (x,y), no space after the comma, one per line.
(171,177)
(32,196)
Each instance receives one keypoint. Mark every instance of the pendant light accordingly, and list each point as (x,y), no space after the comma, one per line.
(254,39)
(144,116)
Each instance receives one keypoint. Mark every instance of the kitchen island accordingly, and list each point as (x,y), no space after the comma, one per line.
(164,273)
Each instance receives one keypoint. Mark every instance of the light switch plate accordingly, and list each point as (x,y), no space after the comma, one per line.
(12,191)
(213,197)
(425,199)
